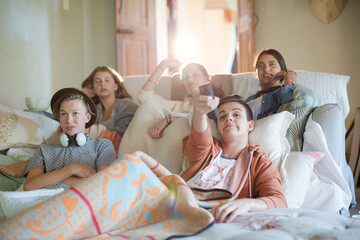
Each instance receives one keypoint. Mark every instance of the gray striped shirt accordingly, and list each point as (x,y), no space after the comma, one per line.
(95,152)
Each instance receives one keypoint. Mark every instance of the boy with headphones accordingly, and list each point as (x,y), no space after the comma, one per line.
(76,156)
(230,164)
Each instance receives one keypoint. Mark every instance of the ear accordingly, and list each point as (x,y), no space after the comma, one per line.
(88,117)
(251,125)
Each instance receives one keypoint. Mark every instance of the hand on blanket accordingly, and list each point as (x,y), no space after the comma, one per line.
(82,170)
(227,212)
(157,130)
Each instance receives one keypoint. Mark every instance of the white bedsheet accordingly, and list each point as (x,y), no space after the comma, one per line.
(326,178)
(284,224)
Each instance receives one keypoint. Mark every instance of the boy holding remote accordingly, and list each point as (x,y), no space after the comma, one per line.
(76,156)
(231,164)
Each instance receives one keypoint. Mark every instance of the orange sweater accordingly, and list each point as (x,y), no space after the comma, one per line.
(265,179)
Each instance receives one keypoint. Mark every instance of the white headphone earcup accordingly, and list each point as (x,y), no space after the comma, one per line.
(64,140)
(80,139)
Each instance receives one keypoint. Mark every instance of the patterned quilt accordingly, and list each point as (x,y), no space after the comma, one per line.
(134,198)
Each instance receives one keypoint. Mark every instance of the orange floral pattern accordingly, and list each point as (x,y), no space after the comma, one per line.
(8,120)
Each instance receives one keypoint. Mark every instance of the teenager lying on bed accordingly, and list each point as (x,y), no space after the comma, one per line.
(231,163)
(76,156)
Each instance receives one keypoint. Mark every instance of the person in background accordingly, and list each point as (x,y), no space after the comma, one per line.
(230,164)
(113,102)
(193,76)
(280,92)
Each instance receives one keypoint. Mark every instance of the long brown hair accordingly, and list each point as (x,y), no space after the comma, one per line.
(121,92)
(276,54)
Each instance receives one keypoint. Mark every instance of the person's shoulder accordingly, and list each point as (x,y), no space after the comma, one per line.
(50,146)
(256,151)
(126,102)
(99,142)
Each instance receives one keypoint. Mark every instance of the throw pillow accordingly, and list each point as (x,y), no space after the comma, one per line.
(24,129)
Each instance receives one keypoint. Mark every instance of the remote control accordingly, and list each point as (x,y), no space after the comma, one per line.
(208,91)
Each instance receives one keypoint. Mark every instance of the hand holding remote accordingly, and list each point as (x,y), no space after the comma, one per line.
(208,91)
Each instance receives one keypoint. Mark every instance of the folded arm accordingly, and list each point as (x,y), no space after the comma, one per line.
(37,178)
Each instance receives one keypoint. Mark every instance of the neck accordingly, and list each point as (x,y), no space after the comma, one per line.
(108,102)
(232,149)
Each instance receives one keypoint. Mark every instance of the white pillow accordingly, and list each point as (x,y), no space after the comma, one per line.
(245,84)
(14,203)
(24,129)
(330,88)
(295,171)
(270,134)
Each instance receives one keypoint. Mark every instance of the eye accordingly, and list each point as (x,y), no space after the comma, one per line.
(76,113)
(222,117)
(237,114)
(260,65)
(62,114)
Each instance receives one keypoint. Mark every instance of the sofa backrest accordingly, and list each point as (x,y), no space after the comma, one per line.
(330,88)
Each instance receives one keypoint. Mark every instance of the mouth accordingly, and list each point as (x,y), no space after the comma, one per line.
(103,90)
(70,128)
(229,126)
(267,75)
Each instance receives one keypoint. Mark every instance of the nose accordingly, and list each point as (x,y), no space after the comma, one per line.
(69,118)
(228,118)
(267,68)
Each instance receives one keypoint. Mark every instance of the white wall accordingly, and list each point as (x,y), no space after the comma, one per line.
(308,44)
(44,47)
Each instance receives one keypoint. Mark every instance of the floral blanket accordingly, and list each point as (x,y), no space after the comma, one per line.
(135,197)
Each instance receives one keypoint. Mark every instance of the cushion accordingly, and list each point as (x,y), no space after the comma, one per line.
(167,150)
(295,171)
(13,203)
(24,129)
(133,84)
(330,88)
(270,134)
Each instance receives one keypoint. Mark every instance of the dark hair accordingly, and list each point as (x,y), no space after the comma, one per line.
(273,53)
(238,99)
(217,91)
(121,92)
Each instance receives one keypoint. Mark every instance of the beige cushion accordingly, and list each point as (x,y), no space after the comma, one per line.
(270,134)
(24,129)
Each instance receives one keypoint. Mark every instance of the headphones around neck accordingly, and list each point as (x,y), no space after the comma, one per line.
(80,139)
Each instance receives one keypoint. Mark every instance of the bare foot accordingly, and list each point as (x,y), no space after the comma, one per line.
(16,169)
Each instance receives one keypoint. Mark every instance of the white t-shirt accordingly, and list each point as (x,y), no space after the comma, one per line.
(217,174)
